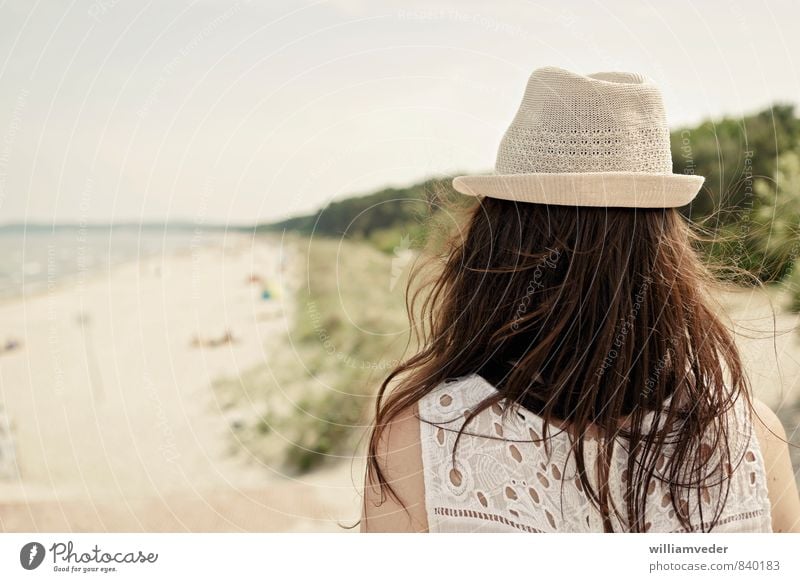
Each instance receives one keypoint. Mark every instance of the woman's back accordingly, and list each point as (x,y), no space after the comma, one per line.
(504,479)
(575,278)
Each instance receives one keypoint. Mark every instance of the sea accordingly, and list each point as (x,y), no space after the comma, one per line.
(35,256)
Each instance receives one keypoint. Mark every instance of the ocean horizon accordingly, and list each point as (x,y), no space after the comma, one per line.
(34,256)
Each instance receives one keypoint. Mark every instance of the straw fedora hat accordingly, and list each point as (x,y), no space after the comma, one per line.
(586,140)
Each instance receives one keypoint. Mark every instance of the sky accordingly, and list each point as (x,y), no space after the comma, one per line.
(240,112)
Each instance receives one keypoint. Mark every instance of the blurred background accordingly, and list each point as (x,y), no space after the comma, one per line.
(208,211)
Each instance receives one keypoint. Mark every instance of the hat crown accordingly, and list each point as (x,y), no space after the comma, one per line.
(603,122)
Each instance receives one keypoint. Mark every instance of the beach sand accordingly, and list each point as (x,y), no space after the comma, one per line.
(114,421)
(768,336)
(769,342)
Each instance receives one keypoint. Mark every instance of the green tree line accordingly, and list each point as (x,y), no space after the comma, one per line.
(748,210)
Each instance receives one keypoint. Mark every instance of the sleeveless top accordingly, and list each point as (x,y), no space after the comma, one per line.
(508,483)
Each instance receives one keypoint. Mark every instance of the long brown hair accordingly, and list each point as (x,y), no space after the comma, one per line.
(606,315)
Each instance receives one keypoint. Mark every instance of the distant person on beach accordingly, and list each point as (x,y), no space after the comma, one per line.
(11,345)
(573,373)
(225,339)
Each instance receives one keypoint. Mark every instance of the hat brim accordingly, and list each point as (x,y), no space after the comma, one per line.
(614,189)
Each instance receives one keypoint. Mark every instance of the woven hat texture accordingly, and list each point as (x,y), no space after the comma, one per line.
(587,140)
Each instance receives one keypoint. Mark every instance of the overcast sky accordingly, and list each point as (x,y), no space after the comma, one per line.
(232,112)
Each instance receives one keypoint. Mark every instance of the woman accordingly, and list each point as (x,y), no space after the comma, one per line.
(573,373)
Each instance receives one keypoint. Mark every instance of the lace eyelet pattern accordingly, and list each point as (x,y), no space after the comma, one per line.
(503,480)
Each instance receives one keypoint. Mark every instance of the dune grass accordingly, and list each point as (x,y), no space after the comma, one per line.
(310,403)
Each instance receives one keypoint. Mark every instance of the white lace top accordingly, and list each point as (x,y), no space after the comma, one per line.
(510,484)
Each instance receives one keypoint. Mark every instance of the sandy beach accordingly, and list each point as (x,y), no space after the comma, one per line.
(108,396)
(769,342)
